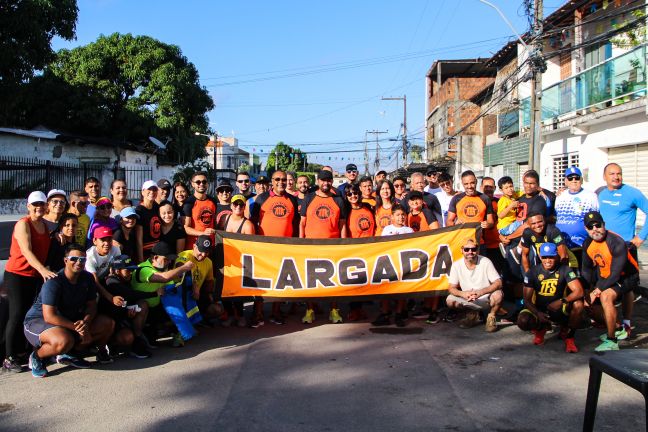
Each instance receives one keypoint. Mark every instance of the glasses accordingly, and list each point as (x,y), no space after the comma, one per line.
(351,194)
(280,180)
(593,225)
(58,202)
(470,249)
(399,185)
(76,259)
(225,191)
(573,177)
(200,182)
(242,181)
(445,184)
(238,204)
(104,207)
(352,171)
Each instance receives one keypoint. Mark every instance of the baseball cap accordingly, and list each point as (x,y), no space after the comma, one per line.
(103,200)
(53,192)
(123,262)
(36,196)
(163,249)
(204,243)
(128,212)
(325,175)
(102,232)
(430,170)
(164,184)
(149,184)
(548,249)
(238,197)
(381,172)
(263,179)
(593,216)
(573,170)
(351,167)
(224,184)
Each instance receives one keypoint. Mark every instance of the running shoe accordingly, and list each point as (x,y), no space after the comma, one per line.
(68,360)
(178,341)
(502,248)
(103,356)
(450,316)
(570,345)
(37,366)
(309,317)
(334,316)
(12,365)
(517,255)
(491,324)
(257,322)
(607,345)
(277,320)
(470,321)
(139,350)
(433,318)
(623,333)
(538,336)
(382,320)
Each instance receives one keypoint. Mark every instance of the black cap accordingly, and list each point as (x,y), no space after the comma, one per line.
(351,167)
(415,195)
(122,262)
(325,175)
(263,180)
(381,172)
(431,170)
(163,249)
(593,216)
(164,184)
(224,184)
(204,243)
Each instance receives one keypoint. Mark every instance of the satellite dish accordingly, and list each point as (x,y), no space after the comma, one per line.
(157,143)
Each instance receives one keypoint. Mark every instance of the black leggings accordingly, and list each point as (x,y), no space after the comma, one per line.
(22,291)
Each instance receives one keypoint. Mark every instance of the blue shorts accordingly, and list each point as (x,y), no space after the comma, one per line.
(34,328)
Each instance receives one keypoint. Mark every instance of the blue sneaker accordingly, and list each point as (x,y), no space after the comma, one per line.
(68,360)
(37,366)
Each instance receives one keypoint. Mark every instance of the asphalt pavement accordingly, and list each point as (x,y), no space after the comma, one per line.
(327,377)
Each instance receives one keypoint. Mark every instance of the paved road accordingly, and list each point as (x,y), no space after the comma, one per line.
(330,378)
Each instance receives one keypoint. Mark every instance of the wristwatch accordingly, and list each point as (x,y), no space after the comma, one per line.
(564,300)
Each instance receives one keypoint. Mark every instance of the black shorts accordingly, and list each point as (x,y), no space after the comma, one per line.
(34,328)
(560,316)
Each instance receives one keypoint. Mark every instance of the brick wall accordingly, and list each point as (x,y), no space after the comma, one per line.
(468,87)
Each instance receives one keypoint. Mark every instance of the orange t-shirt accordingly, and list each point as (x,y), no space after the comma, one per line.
(361,223)
(275,215)
(470,208)
(421,221)
(323,215)
(383,218)
(203,216)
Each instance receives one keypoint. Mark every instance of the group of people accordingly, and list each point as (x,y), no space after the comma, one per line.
(93,272)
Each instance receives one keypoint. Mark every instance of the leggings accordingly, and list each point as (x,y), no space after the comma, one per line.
(22,291)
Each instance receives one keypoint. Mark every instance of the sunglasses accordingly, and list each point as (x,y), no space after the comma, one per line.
(238,204)
(279,179)
(76,259)
(573,177)
(470,249)
(444,184)
(242,181)
(351,194)
(104,207)
(200,182)
(594,225)
(399,185)
(58,202)
(229,191)
(352,171)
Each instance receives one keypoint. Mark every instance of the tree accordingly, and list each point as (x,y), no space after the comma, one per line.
(416,153)
(125,87)
(285,158)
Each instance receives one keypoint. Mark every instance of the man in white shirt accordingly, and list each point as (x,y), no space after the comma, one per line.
(475,285)
(445,195)
(98,261)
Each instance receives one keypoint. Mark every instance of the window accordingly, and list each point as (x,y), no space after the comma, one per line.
(597,53)
(560,164)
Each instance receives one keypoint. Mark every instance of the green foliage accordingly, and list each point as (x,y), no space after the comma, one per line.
(310,175)
(416,153)
(285,158)
(634,36)
(184,172)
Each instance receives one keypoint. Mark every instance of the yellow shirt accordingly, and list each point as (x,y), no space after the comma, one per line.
(504,202)
(82,229)
(202,271)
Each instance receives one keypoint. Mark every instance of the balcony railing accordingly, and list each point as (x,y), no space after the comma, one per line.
(615,81)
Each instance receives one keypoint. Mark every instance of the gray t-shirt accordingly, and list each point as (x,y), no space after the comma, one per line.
(480,277)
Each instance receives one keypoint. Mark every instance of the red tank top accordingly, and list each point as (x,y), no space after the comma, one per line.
(40,244)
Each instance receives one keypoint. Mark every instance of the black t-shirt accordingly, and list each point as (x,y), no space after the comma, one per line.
(549,285)
(175,233)
(128,246)
(528,205)
(55,254)
(151,224)
(533,241)
(70,300)
(123,289)
(222,210)
(178,210)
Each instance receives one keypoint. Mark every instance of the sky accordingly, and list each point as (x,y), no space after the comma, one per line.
(312,73)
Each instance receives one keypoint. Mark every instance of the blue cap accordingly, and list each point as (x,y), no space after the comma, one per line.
(573,170)
(128,212)
(548,250)
(123,262)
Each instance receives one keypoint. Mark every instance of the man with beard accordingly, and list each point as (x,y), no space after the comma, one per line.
(200,211)
(538,233)
(303,185)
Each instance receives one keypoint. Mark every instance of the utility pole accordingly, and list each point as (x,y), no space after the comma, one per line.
(377,161)
(538,66)
(366,155)
(457,128)
(404,99)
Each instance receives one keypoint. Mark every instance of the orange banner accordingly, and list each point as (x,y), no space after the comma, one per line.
(289,268)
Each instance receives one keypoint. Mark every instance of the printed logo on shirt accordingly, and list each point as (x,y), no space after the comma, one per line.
(415,225)
(279,210)
(599,260)
(156,227)
(471,210)
(364,224)
(383,221)
(206,216)
(323,212)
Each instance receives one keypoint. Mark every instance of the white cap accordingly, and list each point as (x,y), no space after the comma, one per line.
(149,184)
(36,196)
(53,192)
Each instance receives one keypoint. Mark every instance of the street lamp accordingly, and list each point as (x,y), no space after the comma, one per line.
(213,138)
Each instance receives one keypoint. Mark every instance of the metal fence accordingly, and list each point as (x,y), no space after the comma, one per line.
(20,176)
(135,178)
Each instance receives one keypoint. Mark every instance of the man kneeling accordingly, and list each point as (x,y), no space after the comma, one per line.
(552,293)
(64,316)
(474,284)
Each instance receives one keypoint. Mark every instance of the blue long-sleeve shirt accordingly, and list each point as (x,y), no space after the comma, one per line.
(619,210)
